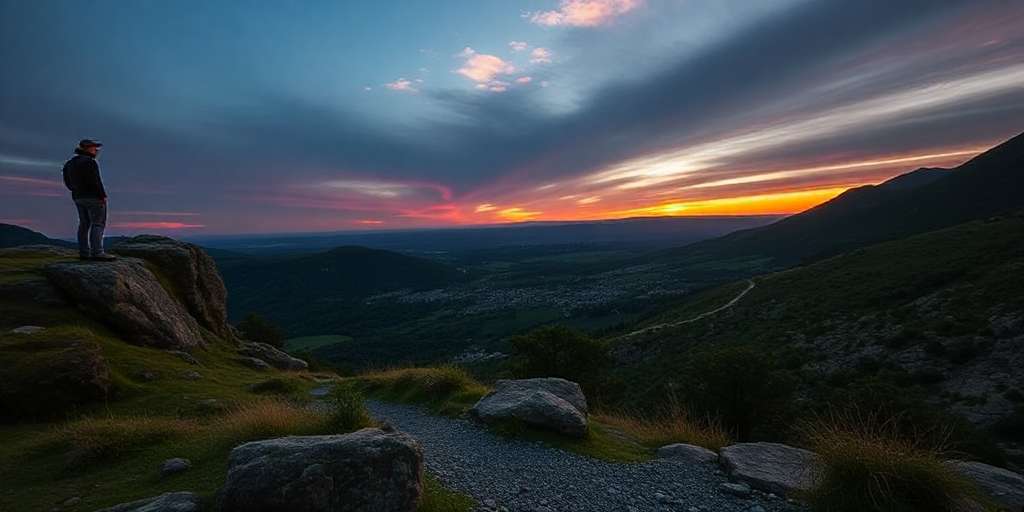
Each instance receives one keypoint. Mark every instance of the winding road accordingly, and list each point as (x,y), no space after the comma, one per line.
(519,475)
(750,286)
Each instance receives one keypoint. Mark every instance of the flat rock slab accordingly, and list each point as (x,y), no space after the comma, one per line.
(771,467)
(272,356)
(371,470)
(129,296)
(169,502)
(1005,487)
(687,453)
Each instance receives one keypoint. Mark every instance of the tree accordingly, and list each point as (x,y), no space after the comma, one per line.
(561,352)
(256,328)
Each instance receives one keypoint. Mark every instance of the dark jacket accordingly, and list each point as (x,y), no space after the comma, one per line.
(82,177)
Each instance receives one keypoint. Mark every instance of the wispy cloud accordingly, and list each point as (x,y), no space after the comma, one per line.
(401,85)
(156,225)
(541,56)
(518,46)
(584,13)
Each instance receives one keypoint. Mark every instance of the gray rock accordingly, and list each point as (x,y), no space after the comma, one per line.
(687,453)
(366,471)
(27,329)
(185,356)
(771,467)
(1005,487)
(168,502)
(192,273)
(191,375)
(272,356)
(174,466)
(127,295)
(551,404)
(254,363)
(736,489)
(34,289)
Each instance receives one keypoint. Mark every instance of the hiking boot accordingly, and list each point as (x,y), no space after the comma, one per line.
(103,257)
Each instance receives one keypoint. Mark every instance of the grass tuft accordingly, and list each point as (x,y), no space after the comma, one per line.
(92,440)
(348,411)
(866,464)
(448,390)
(676,425)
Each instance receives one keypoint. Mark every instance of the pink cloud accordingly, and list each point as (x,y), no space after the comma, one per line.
(483,68)
(156,225)
(401,85)
(524,80)
(518,46)
(541,56)
(584,13)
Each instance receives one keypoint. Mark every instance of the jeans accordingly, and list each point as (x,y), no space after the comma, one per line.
(92,220)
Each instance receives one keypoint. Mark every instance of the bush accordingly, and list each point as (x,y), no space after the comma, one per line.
(561,352)
(348,410)
(256,328)
(741,386)
(867,465)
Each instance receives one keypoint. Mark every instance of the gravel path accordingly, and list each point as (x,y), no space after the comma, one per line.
(517,475)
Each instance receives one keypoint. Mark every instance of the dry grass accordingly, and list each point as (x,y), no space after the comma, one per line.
(866,465)
(675,425)
(91,440)
(447,389)
(265,419)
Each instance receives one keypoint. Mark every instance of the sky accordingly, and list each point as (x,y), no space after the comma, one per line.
(306,116)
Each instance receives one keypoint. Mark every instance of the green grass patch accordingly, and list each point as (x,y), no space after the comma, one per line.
(447,390)
(436,498)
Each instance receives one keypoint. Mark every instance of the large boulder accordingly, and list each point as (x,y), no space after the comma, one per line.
(771,467)
(550,404)
(167,502)
(1004,487)
(44,378)
(127,295)
(272,356)
(370,470)
(192,273)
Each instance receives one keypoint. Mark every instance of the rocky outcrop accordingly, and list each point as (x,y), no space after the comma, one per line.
(192,274)
(43,378)
(168,502)
(272,356)
(370,470)
(127,295)
(687,453)
(550,404)
(771,467)
(1004,487)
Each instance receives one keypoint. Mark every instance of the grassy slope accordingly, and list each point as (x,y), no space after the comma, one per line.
(144,422)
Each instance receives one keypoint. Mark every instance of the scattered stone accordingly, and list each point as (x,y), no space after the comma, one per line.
(129,296)
(366,471)
(192,273)
(272,356)
(168,502)
(72,501)
(252,362)
(687,453)
(552,404)
(174,466)
(145,376)
(28,329)
(756,508)
(185,356)
(1005,487)
(771,467)
(191,375)
(736,489)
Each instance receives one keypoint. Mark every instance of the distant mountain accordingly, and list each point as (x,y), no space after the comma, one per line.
(13,236)
(927,199)
(279,286)
(650,232)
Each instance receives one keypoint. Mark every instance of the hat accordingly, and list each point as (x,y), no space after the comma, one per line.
(89,143)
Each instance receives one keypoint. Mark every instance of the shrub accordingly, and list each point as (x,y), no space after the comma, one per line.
(741,386)
(348,411)
(256,328)
(561,352)
(866,464)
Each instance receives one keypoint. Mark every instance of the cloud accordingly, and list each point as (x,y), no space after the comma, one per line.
(483,68)
(584,13)
(518,46)
(524,80)
(541,56)
(156,225)
(485,207)
(401,85)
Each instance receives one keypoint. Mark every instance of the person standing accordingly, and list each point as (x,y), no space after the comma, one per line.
(82,177)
